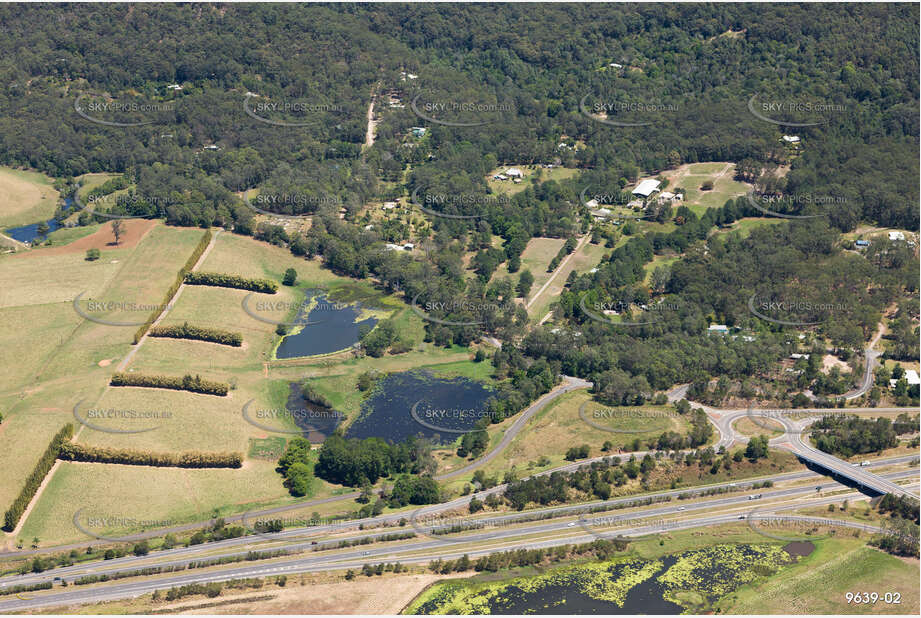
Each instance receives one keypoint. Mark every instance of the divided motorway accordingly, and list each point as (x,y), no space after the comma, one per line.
(425,550)
(306,538)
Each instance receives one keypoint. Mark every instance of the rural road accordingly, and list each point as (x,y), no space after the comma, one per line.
(569,384)
(871,356)
(369,132)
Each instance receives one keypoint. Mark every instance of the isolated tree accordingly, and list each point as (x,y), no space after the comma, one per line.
(118,226)
(42,229)
(525,281)
(290,277)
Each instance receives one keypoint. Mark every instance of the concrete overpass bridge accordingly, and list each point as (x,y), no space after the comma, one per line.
(858,475)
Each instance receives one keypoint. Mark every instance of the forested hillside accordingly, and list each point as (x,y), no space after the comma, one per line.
(702,62)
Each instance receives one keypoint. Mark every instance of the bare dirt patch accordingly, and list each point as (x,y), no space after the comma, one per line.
(135,230)
(830,360)
(363,595)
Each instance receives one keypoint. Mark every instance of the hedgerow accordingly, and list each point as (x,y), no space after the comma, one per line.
(198,333)
(186,383)
(188,459)
(180,277)
(266,286)
(42,467)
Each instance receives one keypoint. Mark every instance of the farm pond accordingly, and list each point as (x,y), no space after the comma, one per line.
(324,327)
(29,233)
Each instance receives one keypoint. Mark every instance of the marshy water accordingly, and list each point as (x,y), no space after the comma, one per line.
(686,582)
(315,422)
(419,402)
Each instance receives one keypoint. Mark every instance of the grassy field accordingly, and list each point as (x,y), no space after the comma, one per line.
(583,260)
(172,420)
(764,427)
(186,421)
(536,257)
(659,260)
(52,357)
(818,582)
(38,316)
(247,257)
(559,426)
(25,197)
(692,176)
(139,285)
(169,496)
(65,235)
(90,181)
(745,226)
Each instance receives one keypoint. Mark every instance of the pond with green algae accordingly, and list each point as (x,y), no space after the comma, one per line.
(686,582)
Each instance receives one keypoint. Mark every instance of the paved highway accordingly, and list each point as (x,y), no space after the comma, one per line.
(310,534)
(420,522)
(423,551)
(858,474)
(722,419)
(792,438)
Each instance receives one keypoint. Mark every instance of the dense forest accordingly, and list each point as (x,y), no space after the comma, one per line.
(537,64)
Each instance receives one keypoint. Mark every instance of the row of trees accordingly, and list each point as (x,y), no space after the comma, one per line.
(189,459)
(600,549)
(598,478)
(193,384)
(210,590)
(180,277)
(19,588)
(199,333)
(266,286)
(34,480)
